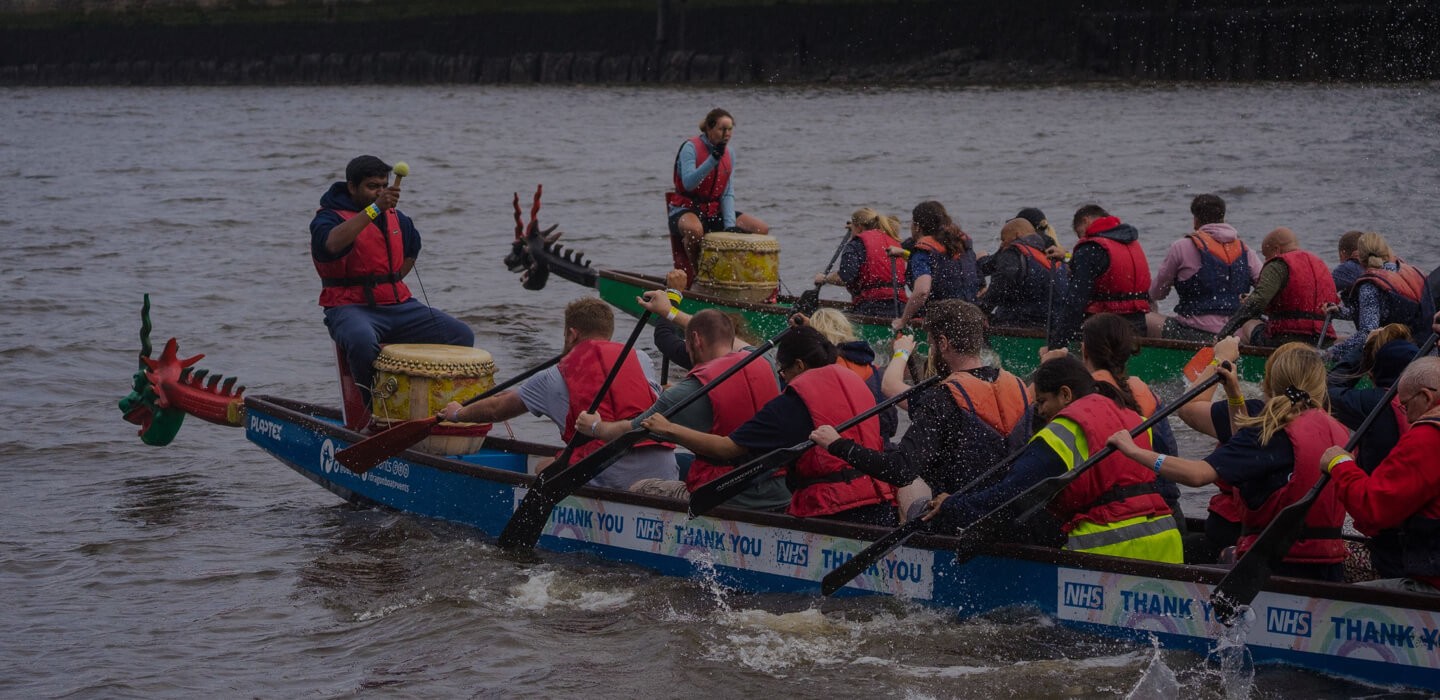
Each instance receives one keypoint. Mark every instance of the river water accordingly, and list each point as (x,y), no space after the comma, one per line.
(208,568)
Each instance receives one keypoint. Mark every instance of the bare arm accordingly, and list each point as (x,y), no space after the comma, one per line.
(717,446)
(500,407)
(918,296)
(893,381)
(1190,472)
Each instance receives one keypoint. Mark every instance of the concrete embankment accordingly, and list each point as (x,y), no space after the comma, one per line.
(669,41)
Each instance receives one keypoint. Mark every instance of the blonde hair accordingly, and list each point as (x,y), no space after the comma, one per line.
(1373,249)
(867,219)
(833,325)
(1292,367)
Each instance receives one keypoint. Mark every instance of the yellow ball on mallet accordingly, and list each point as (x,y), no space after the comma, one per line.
(401,169)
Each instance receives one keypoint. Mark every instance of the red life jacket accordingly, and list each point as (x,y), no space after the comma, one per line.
(732,402)
(1226,504)
(1406,291)
(1117,488)
(705,198)
(584,369)
(1299,307)
(1311,434)
(874,282)
(823,483)
(370,272)
(1124,287)
(1143,395)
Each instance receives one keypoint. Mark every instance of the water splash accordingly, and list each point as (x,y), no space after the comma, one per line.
(1159,681)
(1236,666)
(543,590)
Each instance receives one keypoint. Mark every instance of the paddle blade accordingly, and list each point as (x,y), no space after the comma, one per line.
(1198,363)
(364,455)
(808,302)
(528,521)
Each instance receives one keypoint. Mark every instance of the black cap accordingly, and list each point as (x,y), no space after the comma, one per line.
(1033,215)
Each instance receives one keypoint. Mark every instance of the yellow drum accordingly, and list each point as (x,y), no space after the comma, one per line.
(738,266)
(416,381)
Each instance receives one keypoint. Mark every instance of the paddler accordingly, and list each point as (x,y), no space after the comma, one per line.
(817,392)
(1108,274)
(562,392)
(859,357)
(1022,277)
(1404,490)
(710,337)
(1294,289)
(1348,268)
(1210,269)
(704,197)
(1107,342)
(1390,290)
(867,271)
(957,434)
(363,248)
(942,261)
(1271,460)
(1388,351)
(1113,508)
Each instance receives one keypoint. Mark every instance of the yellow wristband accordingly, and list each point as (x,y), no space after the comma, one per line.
(1338,459)
(671,316)
(372,211)
(1235,400)
(675,296)
(901,355)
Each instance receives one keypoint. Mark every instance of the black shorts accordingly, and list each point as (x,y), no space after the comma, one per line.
(708,224)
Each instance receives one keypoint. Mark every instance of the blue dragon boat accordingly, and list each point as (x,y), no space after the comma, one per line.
(1376,636)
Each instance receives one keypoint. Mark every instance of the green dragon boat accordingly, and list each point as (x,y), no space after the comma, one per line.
(1018,349)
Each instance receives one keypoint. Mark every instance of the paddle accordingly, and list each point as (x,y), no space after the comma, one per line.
(1014,511)
(810,300)
(1243,582)
(1325,327)
(895,285)
(362,456)
(731,483)
(529,518)
(563,460)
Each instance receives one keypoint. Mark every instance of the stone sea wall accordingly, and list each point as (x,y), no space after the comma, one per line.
(670,41)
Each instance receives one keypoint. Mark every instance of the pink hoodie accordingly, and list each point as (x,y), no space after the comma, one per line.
(1182,261)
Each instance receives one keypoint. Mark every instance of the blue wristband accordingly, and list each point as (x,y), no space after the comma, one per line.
(1159,460)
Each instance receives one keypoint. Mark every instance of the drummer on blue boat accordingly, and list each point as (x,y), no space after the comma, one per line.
(562,392)
(942,261)
(363,248)
(704,196)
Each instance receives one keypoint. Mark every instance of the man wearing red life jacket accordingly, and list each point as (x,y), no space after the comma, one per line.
(704,199)
(363,248)
(1404,490)
(1293,290)
(1210,269)
(561,393)
(710,340)
(1108,273)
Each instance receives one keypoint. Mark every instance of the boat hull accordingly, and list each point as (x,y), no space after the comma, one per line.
(1366,634)
(1019,349)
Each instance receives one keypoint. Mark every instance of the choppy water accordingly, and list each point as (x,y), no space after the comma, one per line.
(208,568)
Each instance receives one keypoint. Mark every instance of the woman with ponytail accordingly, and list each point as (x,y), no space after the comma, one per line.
(865,265)
(1388,291)
(1272,459)
(942,263)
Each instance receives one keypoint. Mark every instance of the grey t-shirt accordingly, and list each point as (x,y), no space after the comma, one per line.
(546,395)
